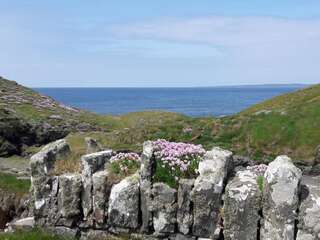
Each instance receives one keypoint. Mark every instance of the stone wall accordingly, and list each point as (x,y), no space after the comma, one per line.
(223,202)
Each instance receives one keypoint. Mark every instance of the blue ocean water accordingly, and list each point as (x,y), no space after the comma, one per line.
(215,101)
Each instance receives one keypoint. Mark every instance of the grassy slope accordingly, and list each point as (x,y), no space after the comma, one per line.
(288,124)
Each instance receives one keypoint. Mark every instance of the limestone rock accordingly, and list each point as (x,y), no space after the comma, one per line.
(44,187)
(101,192)
(42,162)
(281,189)
(23,224)
(123,208)
(164,207)
(207,192)
(146,172)
(184,213)
(92,145)
(242,203)
(309,212)
(90,164)
(69,195)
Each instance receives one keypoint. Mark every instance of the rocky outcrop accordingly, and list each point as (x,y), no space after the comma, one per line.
(207,192)
(281,199)
(215,205)
(241,207)
(309,211)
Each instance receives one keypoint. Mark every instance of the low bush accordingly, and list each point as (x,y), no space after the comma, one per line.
(124,164)
(176,160)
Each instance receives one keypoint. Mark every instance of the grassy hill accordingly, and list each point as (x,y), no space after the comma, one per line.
(288,124)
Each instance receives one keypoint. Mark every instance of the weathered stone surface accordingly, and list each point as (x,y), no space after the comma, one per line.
(101,191)
(69,195)
(42,162)
(23,224)
(242,203)
(90,164)
(309,212)
(123,208)
(44,187)
(281,189)
(184,213)
(146,172)
(164,207)
(207,192)
(92,145)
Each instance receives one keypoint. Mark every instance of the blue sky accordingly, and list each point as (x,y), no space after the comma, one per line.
(117,43)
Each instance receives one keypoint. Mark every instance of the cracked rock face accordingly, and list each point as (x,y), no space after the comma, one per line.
(164,208)
(101,192)
(123,209)
(69,195)
(146,172)
(184,214)
(241,207)
(281,199)
(90,164)
(207,192)
(44,187)
(309,212)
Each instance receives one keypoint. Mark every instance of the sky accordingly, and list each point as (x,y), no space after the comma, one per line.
(164,43)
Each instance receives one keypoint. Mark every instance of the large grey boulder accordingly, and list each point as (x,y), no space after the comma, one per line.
(242,203)
(281,199)
(100,192)
(123,211)
(70,187)
(43,162)
(309,212)
(146,173)
(184,213)
(164,207)
(44,188)
(90,164)
(207,192)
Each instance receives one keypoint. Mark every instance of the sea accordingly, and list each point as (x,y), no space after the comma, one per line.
(197,102)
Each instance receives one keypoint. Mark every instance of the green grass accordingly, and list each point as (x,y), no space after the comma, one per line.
(11,184)
(31,235)
(260,182)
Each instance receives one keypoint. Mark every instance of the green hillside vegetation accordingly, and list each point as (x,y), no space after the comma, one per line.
(288,124)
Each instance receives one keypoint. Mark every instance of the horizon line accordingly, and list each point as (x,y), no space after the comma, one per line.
(175,87)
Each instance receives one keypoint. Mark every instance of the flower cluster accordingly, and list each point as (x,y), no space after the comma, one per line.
(125,162)
(177,156)
(258,169)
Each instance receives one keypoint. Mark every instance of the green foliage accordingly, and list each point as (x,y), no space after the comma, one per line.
(115,168)
(260,182)
(10,183)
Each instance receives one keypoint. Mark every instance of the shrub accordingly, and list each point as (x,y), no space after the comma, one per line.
(176,160)
(124,164)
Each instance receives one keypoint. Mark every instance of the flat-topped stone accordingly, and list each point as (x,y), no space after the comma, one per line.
(281,199)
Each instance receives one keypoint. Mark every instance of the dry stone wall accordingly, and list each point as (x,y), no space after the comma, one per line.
(221,203)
